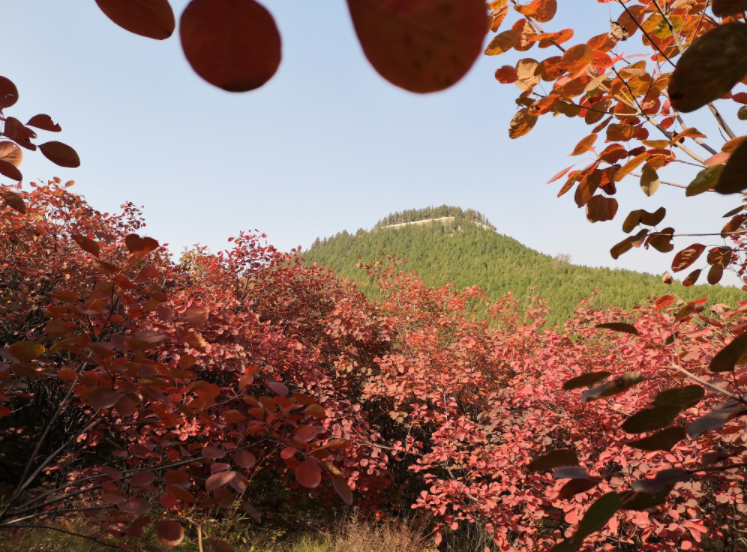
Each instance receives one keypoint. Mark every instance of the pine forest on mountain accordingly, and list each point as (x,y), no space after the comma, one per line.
(463,254)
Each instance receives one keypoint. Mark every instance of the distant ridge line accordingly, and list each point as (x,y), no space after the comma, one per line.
(442,219)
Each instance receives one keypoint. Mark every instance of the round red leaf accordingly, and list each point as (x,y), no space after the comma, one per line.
(309,474)
(60,154)
(170,533)
(8,93)
(423,46)
(232,44)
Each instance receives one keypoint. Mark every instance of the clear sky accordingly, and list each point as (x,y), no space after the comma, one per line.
(326,146)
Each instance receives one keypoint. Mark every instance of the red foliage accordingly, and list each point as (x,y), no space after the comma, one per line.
(191,379)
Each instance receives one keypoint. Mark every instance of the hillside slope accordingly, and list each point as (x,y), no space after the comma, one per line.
(455,249)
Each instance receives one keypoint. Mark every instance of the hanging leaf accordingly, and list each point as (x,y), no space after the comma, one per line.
(575,486)
(101,398)
(733,177)
(244,459)
(232,44)
(554,459)
(576,59)
(611,388)
(714,419)
(423,46)
(705,180)
(649,181)
(11,153)
(6,169)
(631,165)
(594,519)
(220,479)
(278,388)
(170,533)
(726,359)
(521,124)
(664,480)
(252,511)
(685,397)
(725,8)
(585,144)
(541,11)
(15,131)
(502,43)
(640,216)
(710,67)
(8,93)
(60,154)
(136,244)
(628,243)
(691,278)
(87,245)
(309,474)
(687,257)
(148,18)
(585,380)
(527,76)
(600,209)
(197,315)
(663,302)
(506,74)
(44,122)
(651,419)
(663,440)
(26,351)
(343,489)
(618,327)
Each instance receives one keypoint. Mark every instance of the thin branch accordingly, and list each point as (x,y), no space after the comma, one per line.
(715,388)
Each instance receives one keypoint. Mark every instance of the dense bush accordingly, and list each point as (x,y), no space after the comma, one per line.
(143,391)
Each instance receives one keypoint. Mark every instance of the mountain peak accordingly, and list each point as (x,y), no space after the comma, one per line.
(444,212)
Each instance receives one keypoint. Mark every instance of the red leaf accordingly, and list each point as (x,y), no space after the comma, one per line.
(278,388)
(423,46)
(60,154)
(220,545)
(212,453)
(506,74)
(218,480)
(15,130)
(343,489)
(44,122)
(170,533)
(196,315)
(232,44)
(252,511)
(244,459)
(6,169)
(8,93)
(309,474)
(148,18)
(101,398)
(663,302)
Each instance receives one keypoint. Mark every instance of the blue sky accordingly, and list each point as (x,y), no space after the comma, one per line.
(326,146)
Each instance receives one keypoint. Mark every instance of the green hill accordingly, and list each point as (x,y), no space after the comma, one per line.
(463,248)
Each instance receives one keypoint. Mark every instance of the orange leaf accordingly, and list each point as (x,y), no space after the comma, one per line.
(502,43)
(663,302)
(148,18)
(136,244)
(522,123)
(687,256)
(87,245)
(11,153)
(506,74)
(585,144)
(26,351)
(576,58)
(423,46)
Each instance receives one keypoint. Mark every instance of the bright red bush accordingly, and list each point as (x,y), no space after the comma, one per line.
(179,384)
